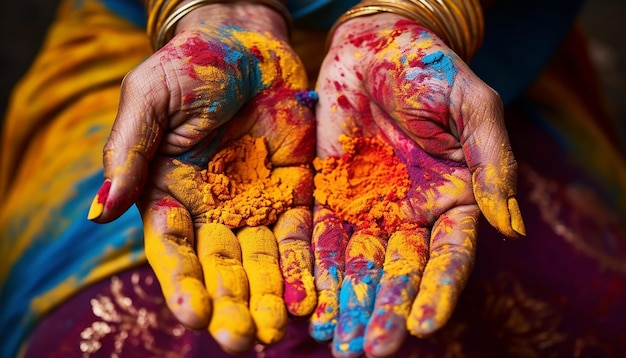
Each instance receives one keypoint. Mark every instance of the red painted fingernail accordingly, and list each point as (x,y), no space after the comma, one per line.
(97,205)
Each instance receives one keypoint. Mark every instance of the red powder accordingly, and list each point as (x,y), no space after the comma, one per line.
(199,52)
(189,97)
(343,102)
(168,203)
(294,292)
(256,53)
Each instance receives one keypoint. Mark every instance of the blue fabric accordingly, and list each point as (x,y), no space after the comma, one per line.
(520,38)
(131,10)
(78,247)
(309,13)
(318,14)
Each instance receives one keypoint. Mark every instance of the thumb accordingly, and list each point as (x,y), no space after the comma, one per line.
(141,119)
(490,158)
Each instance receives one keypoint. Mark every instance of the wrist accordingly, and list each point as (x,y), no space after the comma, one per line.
(248,15)
(459,23)
(252,15)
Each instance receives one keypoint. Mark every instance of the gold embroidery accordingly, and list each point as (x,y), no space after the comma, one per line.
(511,321)
(526,325)
(129,324)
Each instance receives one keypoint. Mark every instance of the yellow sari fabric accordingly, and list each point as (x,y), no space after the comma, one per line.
(58,120)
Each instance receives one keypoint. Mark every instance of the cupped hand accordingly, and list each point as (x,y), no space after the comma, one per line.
(213,141)
(412,149)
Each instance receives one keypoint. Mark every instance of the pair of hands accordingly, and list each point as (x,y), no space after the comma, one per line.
(384,77)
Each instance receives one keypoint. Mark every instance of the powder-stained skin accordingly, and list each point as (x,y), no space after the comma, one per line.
(387,207)
(227,220)
(397,184)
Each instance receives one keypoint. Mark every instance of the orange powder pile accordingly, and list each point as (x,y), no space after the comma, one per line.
(240,189)
(365,186)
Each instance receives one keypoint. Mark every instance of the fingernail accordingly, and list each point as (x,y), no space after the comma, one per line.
(517,223)
(97,205)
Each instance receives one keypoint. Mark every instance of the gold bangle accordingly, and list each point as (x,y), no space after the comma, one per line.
(459,23)
(163,17)
(154,9)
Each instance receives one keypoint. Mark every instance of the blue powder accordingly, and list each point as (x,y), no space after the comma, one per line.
(233,57)
(442,64)
(333,272)
(307,98)
(213,106)
(355,345)
(322,331)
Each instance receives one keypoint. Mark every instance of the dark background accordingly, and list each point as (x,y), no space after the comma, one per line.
(23,24)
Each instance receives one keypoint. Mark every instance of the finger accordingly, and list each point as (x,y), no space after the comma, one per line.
(405,259)
(293,231)
(364,260)
(452,253)
(260,260)
(330,238)
(169,247)
(490,158)
(226,281)
(134,138)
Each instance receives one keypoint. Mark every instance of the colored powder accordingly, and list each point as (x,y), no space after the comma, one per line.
(364,257)
(226,282)
(405,258)
(175,264)
(293,233)
(238,187)
(371,188)
(237,68)
(260,260)
(325,316)
(442,64)
(307,98)
(221,86)
(365,186)
(276,60)
(329,243)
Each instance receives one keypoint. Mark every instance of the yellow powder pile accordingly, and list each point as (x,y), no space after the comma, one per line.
(240,189)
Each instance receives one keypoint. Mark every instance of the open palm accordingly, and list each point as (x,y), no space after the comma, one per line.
(413,148)
(213,141)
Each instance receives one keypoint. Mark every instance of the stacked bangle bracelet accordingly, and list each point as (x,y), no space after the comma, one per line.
(459,23)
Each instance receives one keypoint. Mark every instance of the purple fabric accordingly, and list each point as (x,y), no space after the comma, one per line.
(560,291)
